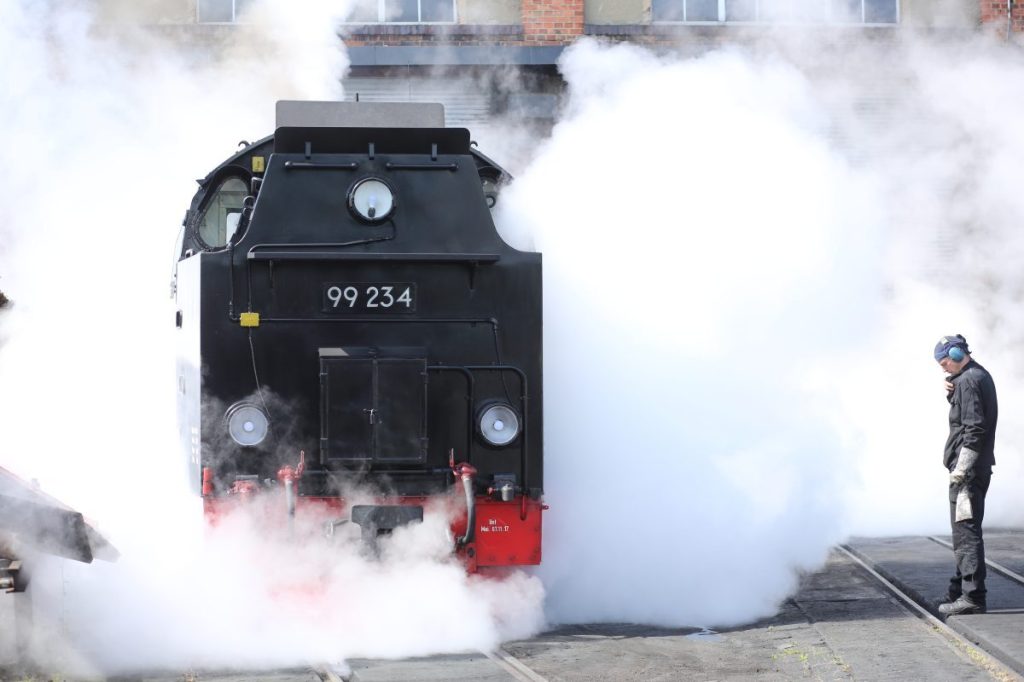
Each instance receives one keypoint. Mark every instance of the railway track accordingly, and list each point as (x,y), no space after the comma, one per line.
(869,613)
(995,566)
(916,570)
(489,666)
(496,666)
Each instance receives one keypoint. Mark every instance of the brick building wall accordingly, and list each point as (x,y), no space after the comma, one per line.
(994,14)
(560,22)
(552,22)
(542,23)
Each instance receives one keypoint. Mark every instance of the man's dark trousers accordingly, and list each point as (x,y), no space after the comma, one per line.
(968,545)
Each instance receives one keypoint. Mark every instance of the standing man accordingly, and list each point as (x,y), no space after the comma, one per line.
(969,457)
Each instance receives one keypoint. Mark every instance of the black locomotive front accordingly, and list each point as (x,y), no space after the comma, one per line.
(342,291)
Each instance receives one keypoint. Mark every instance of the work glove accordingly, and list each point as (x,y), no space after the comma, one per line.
(964,463)
(964,509)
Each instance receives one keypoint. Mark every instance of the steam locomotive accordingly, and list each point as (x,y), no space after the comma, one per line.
(348,316)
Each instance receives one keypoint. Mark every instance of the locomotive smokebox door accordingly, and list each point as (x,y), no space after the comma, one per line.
(372,409)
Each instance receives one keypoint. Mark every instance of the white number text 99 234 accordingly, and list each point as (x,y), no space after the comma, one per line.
(366,297)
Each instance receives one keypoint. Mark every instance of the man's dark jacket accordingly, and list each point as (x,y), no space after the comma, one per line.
(973,411)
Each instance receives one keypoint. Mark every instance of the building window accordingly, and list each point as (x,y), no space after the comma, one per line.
(778,11)
(403,11)
(220,11)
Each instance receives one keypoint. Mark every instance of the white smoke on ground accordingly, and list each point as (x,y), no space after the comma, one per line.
(744,279)
(105,126)
(246,596)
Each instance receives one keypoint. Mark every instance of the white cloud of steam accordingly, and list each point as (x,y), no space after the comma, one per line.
(307,35)
(683,209)
(953,242)
(306,602)
(106,126)
(746,266)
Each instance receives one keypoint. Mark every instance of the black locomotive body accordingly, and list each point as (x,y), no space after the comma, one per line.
(342,291)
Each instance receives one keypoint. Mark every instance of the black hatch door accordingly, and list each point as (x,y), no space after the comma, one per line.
(373,410)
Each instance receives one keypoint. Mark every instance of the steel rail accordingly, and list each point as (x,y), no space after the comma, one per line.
(513,666)
(501,658)
(326,672)
(961,644)
(998,568)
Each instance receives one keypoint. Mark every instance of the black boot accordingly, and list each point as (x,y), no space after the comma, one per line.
(955,589)
(961,607)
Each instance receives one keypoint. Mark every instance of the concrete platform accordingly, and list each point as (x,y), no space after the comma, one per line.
(921,567)
(841,625)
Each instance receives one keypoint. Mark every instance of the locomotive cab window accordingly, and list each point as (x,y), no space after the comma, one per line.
(223,210)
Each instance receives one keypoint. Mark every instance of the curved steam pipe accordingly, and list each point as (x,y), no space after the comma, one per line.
(466,472)
(467,484)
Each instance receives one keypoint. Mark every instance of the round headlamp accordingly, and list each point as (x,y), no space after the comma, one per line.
(371,200)
(498,424)
(247,424)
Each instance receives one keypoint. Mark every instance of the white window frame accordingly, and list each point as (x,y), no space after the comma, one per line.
(232,20)
(382,14)
(757,13)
